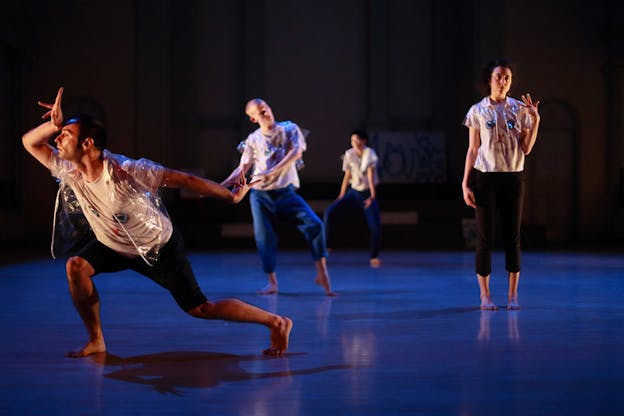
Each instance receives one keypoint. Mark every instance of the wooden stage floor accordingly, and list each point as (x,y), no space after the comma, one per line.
(407,338)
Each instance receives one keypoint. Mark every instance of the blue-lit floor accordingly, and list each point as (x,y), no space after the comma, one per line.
(407,338)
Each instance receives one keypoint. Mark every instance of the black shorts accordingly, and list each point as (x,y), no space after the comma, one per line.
(172,270)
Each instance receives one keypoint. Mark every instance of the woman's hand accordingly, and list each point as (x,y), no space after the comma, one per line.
(469,197)
(530,106)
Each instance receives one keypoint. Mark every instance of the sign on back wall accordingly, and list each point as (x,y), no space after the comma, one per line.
(410,157)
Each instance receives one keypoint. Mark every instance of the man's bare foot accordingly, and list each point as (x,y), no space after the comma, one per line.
(323,281)
(280,334)
(512,304)
(269,289)
(487,304)
(92,347)
(375,263)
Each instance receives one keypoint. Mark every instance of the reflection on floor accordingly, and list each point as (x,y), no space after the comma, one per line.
(407,338)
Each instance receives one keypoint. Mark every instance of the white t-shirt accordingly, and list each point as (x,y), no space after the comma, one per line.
(266,151)
(121,206)
(358,166)
(499,127)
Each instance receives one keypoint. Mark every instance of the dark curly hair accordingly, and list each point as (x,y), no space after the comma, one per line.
(361,133)
(486,72)
(88,126)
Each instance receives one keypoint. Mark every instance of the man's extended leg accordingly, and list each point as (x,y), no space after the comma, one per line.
(86,300)
(239,311)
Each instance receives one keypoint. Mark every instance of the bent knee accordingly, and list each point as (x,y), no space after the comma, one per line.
(204,311)
(78,267)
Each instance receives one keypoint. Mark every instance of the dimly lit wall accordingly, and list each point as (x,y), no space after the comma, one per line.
(171,79)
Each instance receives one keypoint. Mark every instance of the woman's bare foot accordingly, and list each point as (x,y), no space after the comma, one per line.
(512,304)
(375,263)
(487,304)
(91,347)
(280,334)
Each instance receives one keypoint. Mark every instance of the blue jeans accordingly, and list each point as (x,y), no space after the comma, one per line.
(355,200)
(267,207)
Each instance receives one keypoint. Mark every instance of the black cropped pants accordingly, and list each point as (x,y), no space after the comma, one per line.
(501,192)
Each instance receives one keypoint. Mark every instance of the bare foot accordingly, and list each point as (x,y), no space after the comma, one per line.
(323,281)
(269,289)
(487,304)
(512,304)
(375,263)
(92,347)
(279,337)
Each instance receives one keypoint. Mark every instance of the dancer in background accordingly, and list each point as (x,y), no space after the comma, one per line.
(502,131)
(358,191)
(119,199)
(273,150)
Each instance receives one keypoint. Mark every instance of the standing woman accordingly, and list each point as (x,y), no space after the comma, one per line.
(502,130)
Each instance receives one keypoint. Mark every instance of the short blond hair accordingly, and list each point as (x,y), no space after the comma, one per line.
(253,101)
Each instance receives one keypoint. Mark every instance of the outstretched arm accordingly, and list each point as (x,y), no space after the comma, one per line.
(36,140)
(205,187)
(237,175)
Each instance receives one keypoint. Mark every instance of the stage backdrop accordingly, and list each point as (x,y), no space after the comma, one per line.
(410,157)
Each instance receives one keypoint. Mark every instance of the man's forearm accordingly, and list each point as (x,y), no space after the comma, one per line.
(290,158)
(36,142)
(39,135)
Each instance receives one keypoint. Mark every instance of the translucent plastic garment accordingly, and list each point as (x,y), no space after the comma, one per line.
(122,208)
(358,166)
(265,150)
(500,127)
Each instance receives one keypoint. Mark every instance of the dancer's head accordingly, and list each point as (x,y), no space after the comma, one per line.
(259,112)
(497,77)
(359,139)
(88,127)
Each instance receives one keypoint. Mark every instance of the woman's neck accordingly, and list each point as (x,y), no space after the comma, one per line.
(498,99)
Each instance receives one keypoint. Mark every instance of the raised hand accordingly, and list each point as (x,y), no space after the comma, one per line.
(55,112)
(530,106)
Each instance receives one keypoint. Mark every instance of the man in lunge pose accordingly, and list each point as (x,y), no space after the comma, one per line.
(119,198)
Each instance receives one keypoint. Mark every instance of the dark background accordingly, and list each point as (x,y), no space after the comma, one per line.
(171,78)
